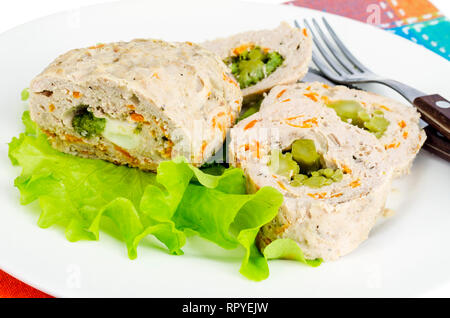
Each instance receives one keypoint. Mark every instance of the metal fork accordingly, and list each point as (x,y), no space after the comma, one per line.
(339,65)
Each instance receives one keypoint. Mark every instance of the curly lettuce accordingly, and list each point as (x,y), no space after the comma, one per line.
(180,199)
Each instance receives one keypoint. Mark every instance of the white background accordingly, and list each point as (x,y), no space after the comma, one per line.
(16,12)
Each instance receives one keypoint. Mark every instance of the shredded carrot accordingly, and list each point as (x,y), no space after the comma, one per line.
(286,100)
(325,99)
(281,185)
(392,146)
(305,32)
(137,117)
(131,107)
(124,152)
(312,96)
(355,183)
(51,108)
(308,88)
(218,124)
(71,138)
(325,86)
(251,124)
(282,228)
(204,144)
(97,46)
(258,153)
(402,124)
(48,133)
(76,94)
(292,118)
(220,114)
(317,195)
(237,102)
(305,124)
(346,169)
(155,75)
(229,80)
(281,93)
(405,135)
(385,108)
(242,48)
(337,195)
(246,147)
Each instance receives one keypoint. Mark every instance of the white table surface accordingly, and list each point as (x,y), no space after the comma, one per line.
(17,12)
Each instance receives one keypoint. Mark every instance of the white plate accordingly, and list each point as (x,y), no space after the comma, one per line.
(406,255)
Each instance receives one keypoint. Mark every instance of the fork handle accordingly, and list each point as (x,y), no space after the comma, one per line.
(435,110)
(436,144)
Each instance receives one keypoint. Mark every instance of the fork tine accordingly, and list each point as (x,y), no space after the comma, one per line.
(328,72)
(333,49)
(343,48)
(336,66)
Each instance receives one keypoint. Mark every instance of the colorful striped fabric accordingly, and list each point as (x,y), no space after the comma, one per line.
(417,20)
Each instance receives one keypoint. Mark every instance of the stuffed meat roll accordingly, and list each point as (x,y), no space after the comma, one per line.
(262,59)
(334,177)
(394,124)
(136,103)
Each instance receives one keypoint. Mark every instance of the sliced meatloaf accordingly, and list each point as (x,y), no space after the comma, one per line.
(136,103)
(329,220)
(402,137)
(294,46)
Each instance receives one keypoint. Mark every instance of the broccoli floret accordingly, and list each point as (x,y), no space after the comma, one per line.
(274,59)
(251,66)
(86,124)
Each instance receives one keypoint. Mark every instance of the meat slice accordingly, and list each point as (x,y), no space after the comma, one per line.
(136,103)
(329,221)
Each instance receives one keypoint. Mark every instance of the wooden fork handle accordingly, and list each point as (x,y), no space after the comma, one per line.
(436,144)
(435,110)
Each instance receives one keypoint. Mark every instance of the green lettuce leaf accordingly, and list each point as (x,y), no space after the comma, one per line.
(180,199)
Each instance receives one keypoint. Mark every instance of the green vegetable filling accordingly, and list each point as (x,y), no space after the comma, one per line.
(138,129)
(86,124)
(251,107)
(303,166)
(352,112)
(253,65)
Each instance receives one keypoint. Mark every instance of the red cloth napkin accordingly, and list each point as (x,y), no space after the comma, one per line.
(13,288)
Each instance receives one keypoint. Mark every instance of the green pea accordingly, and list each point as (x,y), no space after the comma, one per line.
(352,111)
(298,180)
(377,125)
(328,172)
(283,164)
(337,175)
(305,154)
(363,116)
(378,112)
(315,182)
(347,109)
